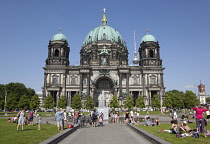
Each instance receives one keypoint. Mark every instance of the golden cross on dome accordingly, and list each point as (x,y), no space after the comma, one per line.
(147,31)
(104,10)
(60,29)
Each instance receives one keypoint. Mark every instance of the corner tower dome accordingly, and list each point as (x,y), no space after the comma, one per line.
(59,37)
(148,37)
(104,32)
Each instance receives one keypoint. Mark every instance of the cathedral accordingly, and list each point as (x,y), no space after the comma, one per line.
(104,68)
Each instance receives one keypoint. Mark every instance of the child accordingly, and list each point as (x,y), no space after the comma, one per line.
(100,121)
(39,121)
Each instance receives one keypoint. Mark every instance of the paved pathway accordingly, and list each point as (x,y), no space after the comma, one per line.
(109,134)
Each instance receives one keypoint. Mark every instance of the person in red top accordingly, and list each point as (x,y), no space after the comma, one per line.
(199,117)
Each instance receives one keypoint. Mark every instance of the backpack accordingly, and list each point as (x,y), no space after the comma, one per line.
(195,134)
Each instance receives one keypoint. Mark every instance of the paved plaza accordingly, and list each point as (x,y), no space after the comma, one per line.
(108,134)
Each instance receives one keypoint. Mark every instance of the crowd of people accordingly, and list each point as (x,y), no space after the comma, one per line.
(96,118)
(183,129)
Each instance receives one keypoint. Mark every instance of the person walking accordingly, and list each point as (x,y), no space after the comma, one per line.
(199,118)
(59,119)
(21,119)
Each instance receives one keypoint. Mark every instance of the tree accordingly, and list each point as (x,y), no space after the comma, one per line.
(12,101)
(129,102)
(114,102)
(140,102)
(76,102)
(34,103)
(89,103)
(24,102)
(48,102)
(208,100)
(14,93)
(190,99)
(155,101)
(62,102)
(176,98)
(167,101)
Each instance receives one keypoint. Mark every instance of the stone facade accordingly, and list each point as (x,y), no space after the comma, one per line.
(103,66)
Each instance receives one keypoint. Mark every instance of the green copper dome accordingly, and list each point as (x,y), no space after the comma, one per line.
(59,37)
(148,37)
(104,33)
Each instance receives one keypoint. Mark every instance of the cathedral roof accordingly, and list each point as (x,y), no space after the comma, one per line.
(148,37)
(59,37)
(104,32)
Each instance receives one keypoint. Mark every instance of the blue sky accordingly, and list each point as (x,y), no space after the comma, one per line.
(181,27)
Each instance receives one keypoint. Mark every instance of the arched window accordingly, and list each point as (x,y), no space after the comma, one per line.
(54,82)
(135,80)
(152,80)
(73,81)
(151,54)
(56,53)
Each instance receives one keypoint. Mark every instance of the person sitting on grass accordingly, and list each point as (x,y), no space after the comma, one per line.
(185,127)
(175,128)
(133,121)
(148,123)
(157,121)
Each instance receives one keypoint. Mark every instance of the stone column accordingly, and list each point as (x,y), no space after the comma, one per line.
(120,84)
(81,84)
(127,82)
(64,85)
(45,82)
(88,83)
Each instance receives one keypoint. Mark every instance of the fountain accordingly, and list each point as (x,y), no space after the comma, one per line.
(102,108)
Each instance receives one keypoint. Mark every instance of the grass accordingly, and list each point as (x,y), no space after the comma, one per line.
(9,135)
(12,114)
(172,137)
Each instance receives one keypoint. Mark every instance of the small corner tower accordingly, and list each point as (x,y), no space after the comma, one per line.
(149,51)
(202,93)
(58,50)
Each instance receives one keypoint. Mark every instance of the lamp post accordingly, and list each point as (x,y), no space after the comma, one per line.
(5,101)
(161,102)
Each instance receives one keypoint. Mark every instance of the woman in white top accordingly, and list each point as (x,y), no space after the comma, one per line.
(21,119)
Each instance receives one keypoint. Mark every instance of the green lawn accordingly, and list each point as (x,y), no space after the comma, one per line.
(12,114)
(172,137)
(9,135)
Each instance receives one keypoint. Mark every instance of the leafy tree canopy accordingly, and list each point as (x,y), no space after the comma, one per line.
(114,102)
(48,102)
(176,98)
(62,102)
(140,102)
(34,103)
(76,102)
(89,103)
(190,99)
(155,101)
(129,103)
(167,101)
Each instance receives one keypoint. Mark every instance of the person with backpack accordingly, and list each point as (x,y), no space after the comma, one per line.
(94,118)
